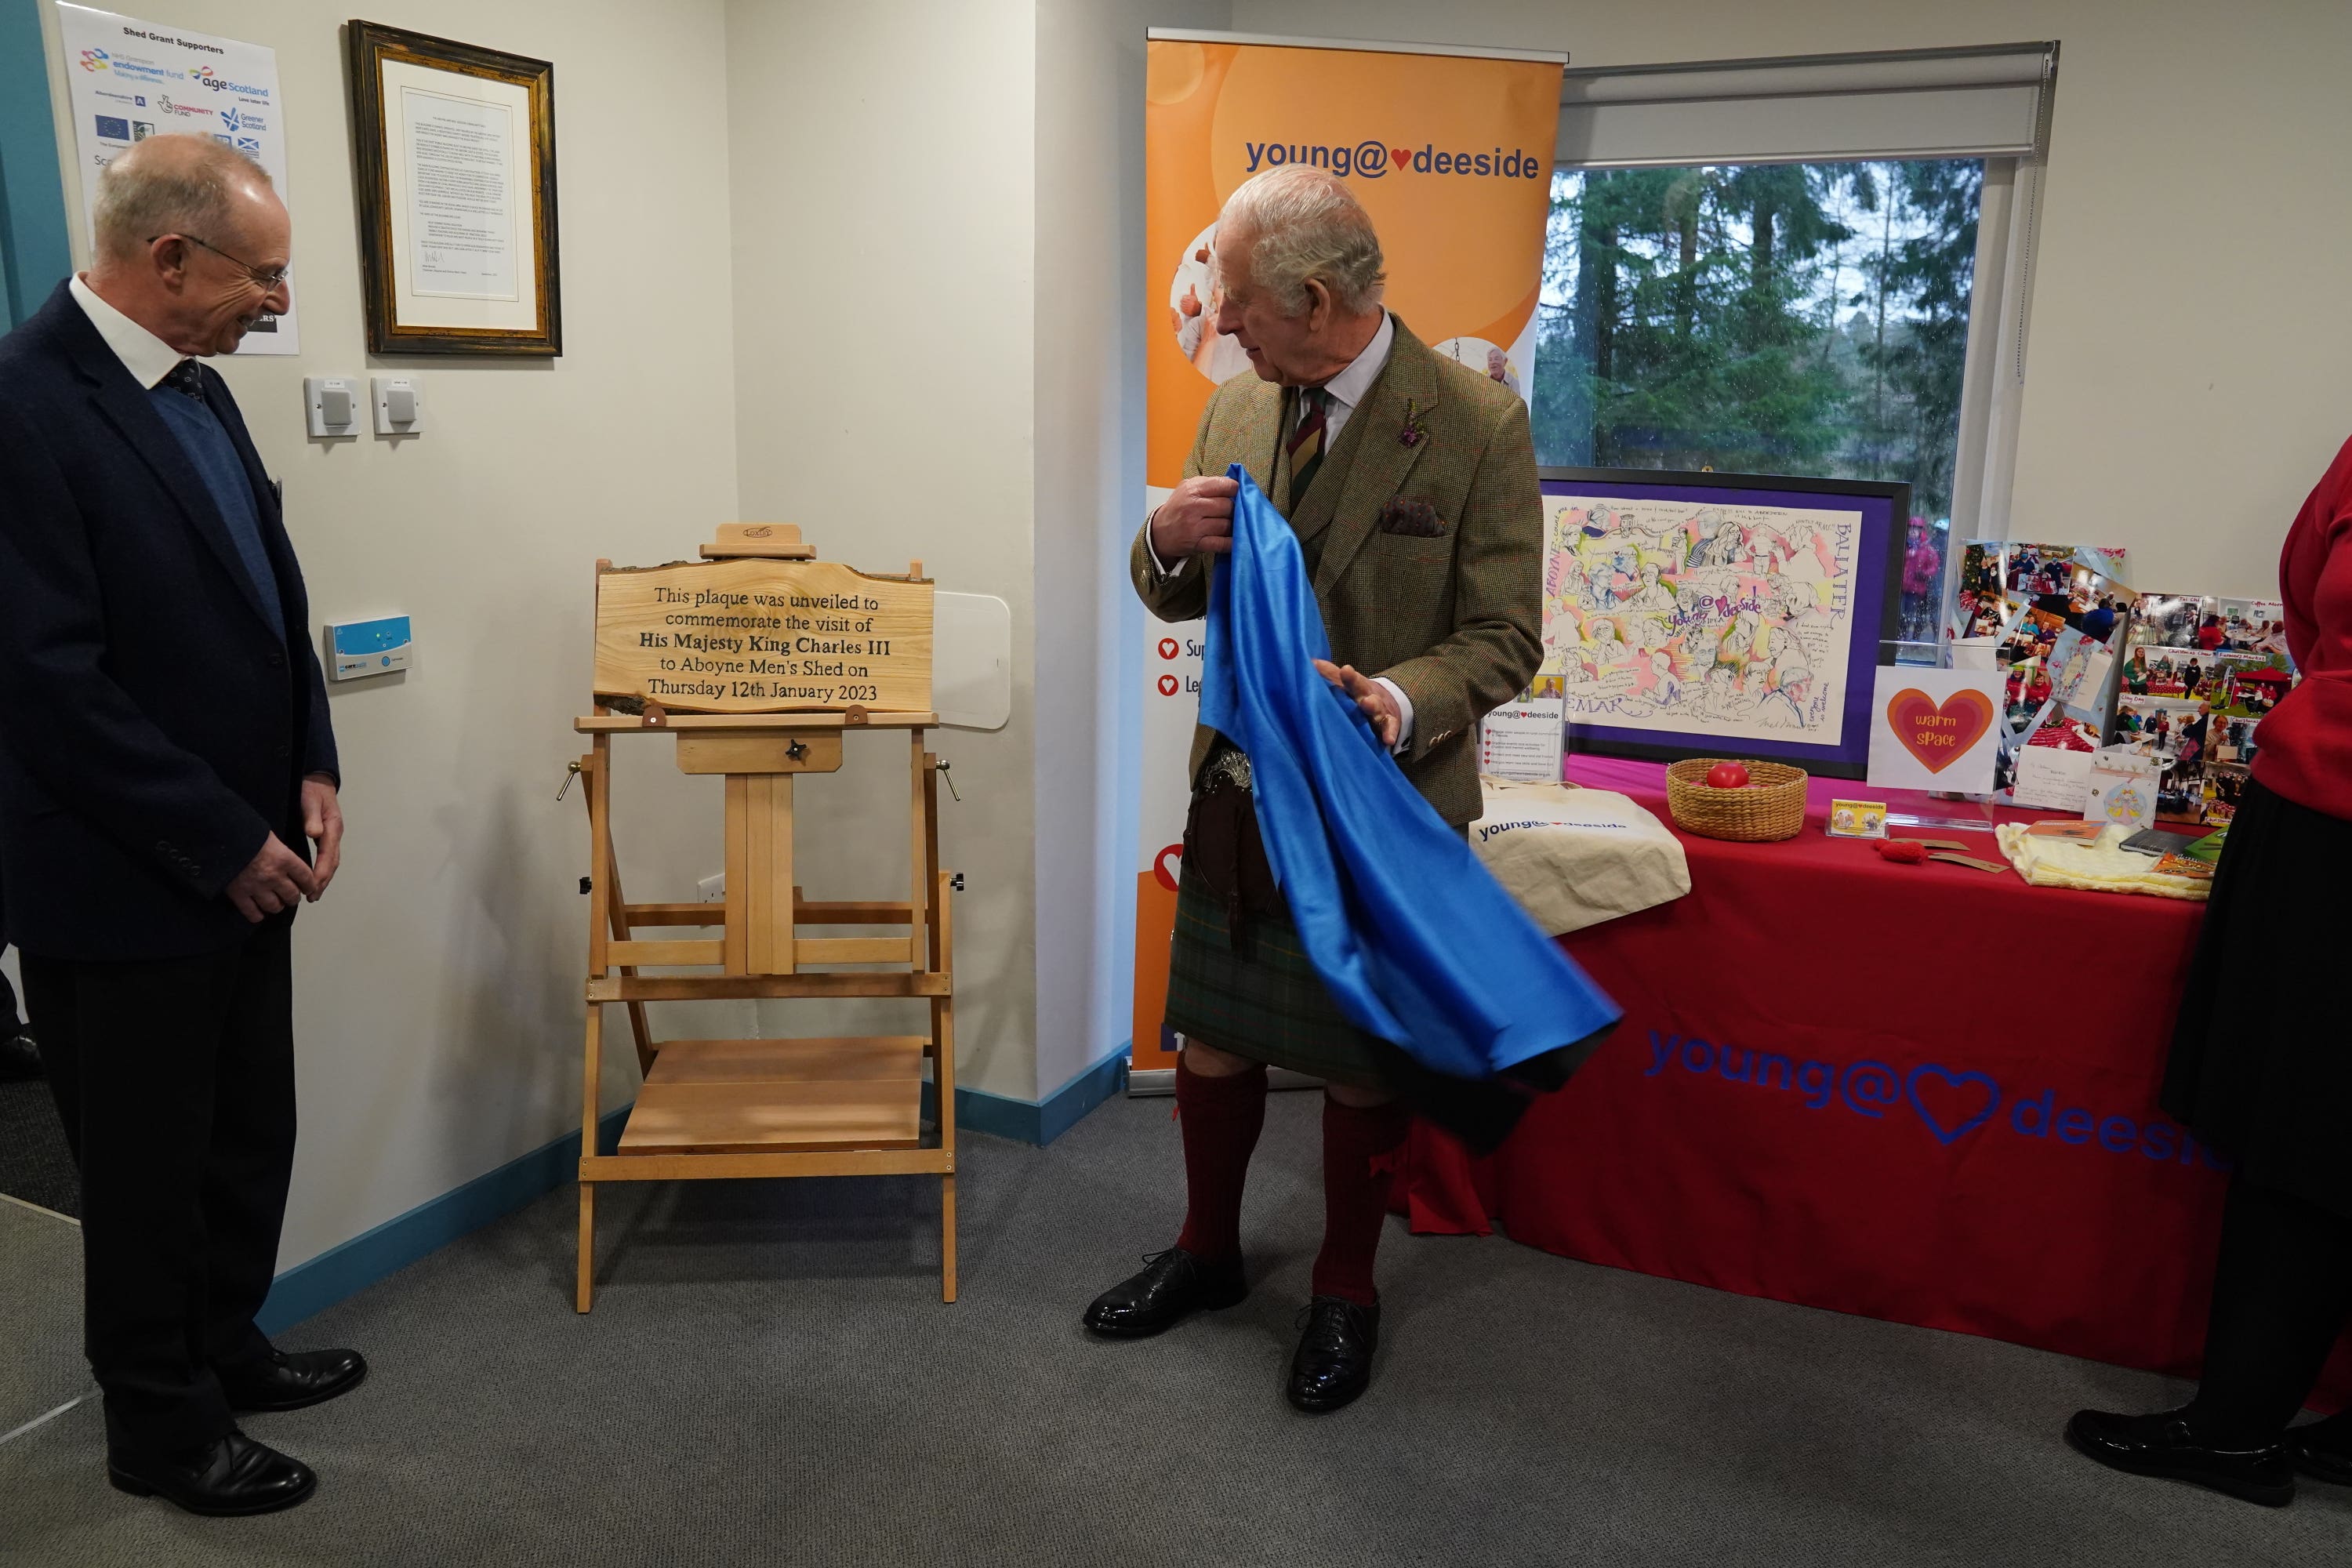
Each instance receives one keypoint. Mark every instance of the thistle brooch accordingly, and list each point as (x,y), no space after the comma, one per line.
(1414,433)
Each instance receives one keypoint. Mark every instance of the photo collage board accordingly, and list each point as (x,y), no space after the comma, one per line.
(2182,679)
(2198,675)
(2049,618)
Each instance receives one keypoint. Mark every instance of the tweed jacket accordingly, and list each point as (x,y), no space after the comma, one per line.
(1425,553)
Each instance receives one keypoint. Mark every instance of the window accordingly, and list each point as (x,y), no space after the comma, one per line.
(1807,319)
(1816,266)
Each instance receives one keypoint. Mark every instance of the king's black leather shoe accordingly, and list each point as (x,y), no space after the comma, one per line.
(2323,1450)
(1173,1285)
(291,1380)
(2166,1445)
(230,1475)
(1334,1363)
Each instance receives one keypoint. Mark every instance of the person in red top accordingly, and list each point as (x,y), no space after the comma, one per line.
(2210,636)
(2270,1084)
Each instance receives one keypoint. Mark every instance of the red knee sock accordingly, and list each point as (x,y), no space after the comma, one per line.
(1357,1146)
(1221,1118)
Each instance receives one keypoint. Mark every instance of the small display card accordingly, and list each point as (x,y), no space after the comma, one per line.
(1521,740)
(1934,729)
(1856,819)
(2122,788)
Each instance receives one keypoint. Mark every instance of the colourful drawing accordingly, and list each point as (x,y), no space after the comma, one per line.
(1670,615)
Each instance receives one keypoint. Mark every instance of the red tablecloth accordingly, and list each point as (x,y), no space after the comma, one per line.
(1921,1094)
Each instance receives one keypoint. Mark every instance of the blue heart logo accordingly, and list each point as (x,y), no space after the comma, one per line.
(1956,1080)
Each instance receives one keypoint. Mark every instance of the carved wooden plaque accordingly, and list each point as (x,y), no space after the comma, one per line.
(763,636)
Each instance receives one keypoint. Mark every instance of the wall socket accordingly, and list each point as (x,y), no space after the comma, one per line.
(713,889)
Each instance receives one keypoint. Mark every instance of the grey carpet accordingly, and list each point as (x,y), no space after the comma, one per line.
(34,1164)
(770,1378)
(41,1365)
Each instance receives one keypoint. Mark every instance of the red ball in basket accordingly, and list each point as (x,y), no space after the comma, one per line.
(1753,803)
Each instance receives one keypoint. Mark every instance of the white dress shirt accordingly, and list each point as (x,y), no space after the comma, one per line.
(1346,390)
(147,357)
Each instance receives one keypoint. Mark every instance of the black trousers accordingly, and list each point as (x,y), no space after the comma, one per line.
(175,1081)
(2282,1292)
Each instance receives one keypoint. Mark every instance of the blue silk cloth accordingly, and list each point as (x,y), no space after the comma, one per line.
(1415,940)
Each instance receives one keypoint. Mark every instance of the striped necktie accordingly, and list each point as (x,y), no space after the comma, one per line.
(1306,441)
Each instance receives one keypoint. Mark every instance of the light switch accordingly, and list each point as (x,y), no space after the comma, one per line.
(399,405)
(331,401)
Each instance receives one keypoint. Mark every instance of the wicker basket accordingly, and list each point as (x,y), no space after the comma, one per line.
(1771,807)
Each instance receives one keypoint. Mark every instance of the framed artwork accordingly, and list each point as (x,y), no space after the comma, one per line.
(456,185)
(1721,614)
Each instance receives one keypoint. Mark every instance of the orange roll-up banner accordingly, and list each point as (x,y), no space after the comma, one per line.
(1451,154)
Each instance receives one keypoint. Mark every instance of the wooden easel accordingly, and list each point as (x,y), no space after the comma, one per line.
(750,1109)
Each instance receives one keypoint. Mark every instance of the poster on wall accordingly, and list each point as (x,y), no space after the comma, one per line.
(130,79)
(1691,615)
(1451,154)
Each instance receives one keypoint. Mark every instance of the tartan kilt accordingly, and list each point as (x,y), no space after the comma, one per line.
(1264,1003)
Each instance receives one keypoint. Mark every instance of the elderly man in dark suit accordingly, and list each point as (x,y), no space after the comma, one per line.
(166,768)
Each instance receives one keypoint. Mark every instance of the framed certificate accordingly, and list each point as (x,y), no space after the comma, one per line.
(456,184)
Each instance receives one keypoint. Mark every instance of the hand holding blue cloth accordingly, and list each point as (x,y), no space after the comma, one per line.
(1415,940)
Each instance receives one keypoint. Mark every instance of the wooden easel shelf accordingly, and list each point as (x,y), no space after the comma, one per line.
(752,1097)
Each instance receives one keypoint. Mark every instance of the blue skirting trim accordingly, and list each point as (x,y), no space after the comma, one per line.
(346,1271)
(1030,1121)
(343,1271)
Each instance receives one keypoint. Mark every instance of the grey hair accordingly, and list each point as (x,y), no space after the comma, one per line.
(1305,223)
(174,183)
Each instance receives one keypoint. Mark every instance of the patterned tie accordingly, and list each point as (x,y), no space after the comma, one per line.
(1306,441)
(183,378)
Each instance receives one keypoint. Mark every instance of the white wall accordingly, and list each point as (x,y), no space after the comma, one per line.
(2183,383)
(439,986)
(883,238)
(1090,491)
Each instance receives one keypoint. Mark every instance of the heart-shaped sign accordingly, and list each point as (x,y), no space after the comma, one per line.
(1167,686)
(1939,734)
(1399,156)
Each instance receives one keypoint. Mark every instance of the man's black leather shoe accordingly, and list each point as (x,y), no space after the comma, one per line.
(1334,1363)
(2323,1450)
(1172,1286)
(230,1475)
(2166,1445)
(291,1381)
(20,1058)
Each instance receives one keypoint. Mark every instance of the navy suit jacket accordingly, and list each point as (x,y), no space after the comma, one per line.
(153,729)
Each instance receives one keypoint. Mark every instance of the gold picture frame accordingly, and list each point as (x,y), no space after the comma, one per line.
(455,152)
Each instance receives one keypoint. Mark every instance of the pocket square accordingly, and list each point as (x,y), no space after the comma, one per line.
(1405,515)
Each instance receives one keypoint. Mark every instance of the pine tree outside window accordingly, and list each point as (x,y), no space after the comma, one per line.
(1818,266)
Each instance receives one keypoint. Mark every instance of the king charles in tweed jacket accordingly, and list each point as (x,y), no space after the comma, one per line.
(1424,528)
(1410,482)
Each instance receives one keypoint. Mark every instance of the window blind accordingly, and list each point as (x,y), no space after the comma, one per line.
(1991,102)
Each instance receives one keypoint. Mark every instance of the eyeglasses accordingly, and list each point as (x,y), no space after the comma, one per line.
(267,281)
